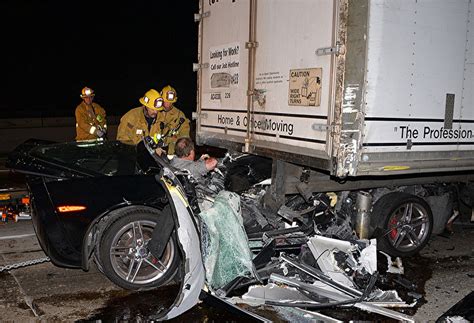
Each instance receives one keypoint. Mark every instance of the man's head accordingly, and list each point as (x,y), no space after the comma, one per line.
(152,103)
(169,96)
(184,148)
(87,94)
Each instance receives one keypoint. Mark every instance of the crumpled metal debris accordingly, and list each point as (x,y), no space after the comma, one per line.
(394,266)
(326,265)
(259,295)
(332,281)
(345,261)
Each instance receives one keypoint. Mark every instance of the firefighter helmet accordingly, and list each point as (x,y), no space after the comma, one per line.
(87,92)
(152,99)
(168,94)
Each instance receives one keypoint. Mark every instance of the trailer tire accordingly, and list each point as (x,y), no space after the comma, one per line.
(406,222)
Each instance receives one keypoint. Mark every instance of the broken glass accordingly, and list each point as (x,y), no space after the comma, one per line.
(226,251)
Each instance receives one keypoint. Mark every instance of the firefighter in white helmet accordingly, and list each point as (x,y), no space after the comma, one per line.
(172,118)
(142,121)
(91,122)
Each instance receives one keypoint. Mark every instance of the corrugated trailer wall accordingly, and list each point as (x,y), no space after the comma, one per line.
(418,113)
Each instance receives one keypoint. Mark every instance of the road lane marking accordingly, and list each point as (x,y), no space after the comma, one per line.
(17,236)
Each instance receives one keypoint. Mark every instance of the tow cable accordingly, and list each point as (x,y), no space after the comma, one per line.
(24,264)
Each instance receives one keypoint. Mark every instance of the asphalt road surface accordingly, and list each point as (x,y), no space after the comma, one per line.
(443,275)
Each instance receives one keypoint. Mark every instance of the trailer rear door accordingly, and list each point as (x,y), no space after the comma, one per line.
(291,86)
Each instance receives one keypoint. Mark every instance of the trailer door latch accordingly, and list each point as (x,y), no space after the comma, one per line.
(337,50)
(197,66)
(201,115)
(200,16)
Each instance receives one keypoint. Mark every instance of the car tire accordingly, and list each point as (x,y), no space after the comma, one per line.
(124,257)
(406,222)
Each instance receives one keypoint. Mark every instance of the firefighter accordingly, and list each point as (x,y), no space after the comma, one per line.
(91,120)
(142,121)
(172,118)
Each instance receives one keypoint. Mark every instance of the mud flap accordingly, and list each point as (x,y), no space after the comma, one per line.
(161,234)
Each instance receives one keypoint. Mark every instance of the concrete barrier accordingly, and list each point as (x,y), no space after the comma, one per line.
(13,132)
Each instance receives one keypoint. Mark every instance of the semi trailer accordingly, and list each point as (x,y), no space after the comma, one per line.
(370,100)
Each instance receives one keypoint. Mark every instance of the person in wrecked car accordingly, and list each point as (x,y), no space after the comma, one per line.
(90,117)
(185,156)
(142,121)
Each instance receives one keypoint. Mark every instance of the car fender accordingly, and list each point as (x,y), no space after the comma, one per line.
(100,223)
(189,242)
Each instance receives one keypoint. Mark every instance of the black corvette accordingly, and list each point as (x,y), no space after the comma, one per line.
(79,190)
(107,201)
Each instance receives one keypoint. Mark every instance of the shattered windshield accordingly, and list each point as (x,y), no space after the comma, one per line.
(104,157)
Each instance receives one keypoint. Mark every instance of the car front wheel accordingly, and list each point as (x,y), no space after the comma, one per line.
(125,258)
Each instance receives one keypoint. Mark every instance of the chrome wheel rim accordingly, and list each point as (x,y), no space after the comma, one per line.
(408,227)
(130,257)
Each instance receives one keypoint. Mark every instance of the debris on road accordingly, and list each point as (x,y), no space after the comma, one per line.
(317,263)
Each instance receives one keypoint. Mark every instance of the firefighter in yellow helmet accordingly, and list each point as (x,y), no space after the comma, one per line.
(171,117)
(91,122)
(142,121)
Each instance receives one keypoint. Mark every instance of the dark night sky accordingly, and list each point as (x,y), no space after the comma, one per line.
(52,49)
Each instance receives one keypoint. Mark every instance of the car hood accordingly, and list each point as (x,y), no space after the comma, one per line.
(73,159)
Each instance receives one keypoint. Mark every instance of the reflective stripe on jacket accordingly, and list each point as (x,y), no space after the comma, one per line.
(133,126)
(171,120)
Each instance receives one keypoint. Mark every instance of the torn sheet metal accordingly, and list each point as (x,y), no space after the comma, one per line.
(290,214)
(388,299)
(394,266)
(265,182)
(322,290)
(385,296)
(251,214)
(340,259)
(226,249)
(258,295)
(319,275)
(338,296)
(391,303)
(368,307)
(189,239)
(256,216)
(295,314)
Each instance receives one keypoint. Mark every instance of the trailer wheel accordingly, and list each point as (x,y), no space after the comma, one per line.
(406,222)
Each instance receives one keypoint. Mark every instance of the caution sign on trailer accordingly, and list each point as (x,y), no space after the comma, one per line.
(305,87)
